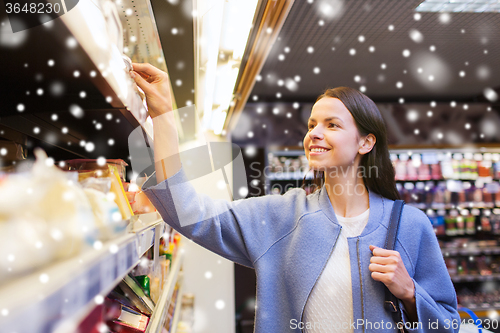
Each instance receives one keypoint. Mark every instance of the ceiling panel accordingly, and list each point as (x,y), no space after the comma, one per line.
(460,45)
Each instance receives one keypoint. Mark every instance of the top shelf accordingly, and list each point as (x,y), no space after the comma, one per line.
(74,63)
(66,291)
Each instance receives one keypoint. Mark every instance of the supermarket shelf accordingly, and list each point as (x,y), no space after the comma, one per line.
(466,205)
(177,310)
(57,296)
(485,179)
(474,278)
(86,22)
(160,312)
(481,310)
(297,175)
(470,251)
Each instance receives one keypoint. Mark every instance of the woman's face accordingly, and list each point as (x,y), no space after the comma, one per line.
(332,140)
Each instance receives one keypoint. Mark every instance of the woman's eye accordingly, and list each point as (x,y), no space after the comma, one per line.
(311,126)
(333,125)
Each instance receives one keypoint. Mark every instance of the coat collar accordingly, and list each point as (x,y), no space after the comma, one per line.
(377,209)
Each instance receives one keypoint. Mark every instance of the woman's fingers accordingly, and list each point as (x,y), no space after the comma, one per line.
(382,260)
(381,268)
(146,68)
(380,252)
(142,83)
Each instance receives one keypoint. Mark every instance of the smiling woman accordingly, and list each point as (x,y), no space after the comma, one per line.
(320,264)
(353,119)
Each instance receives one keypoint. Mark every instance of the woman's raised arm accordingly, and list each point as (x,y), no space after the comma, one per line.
(156,85)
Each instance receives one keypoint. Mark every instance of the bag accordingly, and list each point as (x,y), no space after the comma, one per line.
(391,303)
(471,327)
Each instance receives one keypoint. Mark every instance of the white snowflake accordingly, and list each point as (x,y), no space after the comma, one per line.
(416,36)
(89,146)
(76,111)
(445,18)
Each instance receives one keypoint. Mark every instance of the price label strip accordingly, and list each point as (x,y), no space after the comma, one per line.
(122,267)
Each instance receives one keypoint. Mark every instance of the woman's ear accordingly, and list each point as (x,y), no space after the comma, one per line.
(366,144)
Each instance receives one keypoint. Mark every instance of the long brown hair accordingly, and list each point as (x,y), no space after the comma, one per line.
(368,120)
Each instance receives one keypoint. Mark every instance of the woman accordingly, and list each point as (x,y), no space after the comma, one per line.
(319,258)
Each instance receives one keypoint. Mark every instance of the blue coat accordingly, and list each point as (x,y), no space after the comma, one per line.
(288,239)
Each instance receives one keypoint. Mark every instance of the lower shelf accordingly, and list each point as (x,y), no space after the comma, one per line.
(58,296)
(177,310)
(157,320)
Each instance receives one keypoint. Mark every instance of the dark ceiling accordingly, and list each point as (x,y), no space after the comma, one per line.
(468,42)
(461,115)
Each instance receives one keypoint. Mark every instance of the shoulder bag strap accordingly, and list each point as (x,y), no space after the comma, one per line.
(391,303)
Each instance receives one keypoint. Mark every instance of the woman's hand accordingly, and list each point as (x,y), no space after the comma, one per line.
(388,267)
(156,86)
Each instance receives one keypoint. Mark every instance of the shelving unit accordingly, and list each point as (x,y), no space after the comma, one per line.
(76,57)
(158,317)
(65,292)
(177,311)
(75,62)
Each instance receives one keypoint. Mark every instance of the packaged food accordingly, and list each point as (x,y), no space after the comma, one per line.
(119,193)
(94,166)
(44,215)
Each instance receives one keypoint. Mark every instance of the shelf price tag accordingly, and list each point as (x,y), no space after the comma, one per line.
(132,256)
(122,267)
(73,295)
(108,275)
(93,283)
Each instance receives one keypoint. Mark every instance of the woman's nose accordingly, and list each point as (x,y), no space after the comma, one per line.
(316,133)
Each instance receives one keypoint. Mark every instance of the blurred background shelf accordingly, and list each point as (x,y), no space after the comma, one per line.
(470,251)
(473,278)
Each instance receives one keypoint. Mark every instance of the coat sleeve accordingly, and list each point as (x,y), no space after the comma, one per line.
(240,230)
(435,295)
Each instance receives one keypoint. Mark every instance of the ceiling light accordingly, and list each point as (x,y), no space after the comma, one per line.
(470,6)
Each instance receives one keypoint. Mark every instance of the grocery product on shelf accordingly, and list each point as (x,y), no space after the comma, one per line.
(97,167)
(44,216)
(129,308)
(121,318)
(186,321)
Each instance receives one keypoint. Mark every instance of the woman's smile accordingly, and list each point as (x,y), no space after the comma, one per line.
(317,150)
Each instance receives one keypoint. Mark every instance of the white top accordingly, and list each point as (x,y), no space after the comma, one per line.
(329,306)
